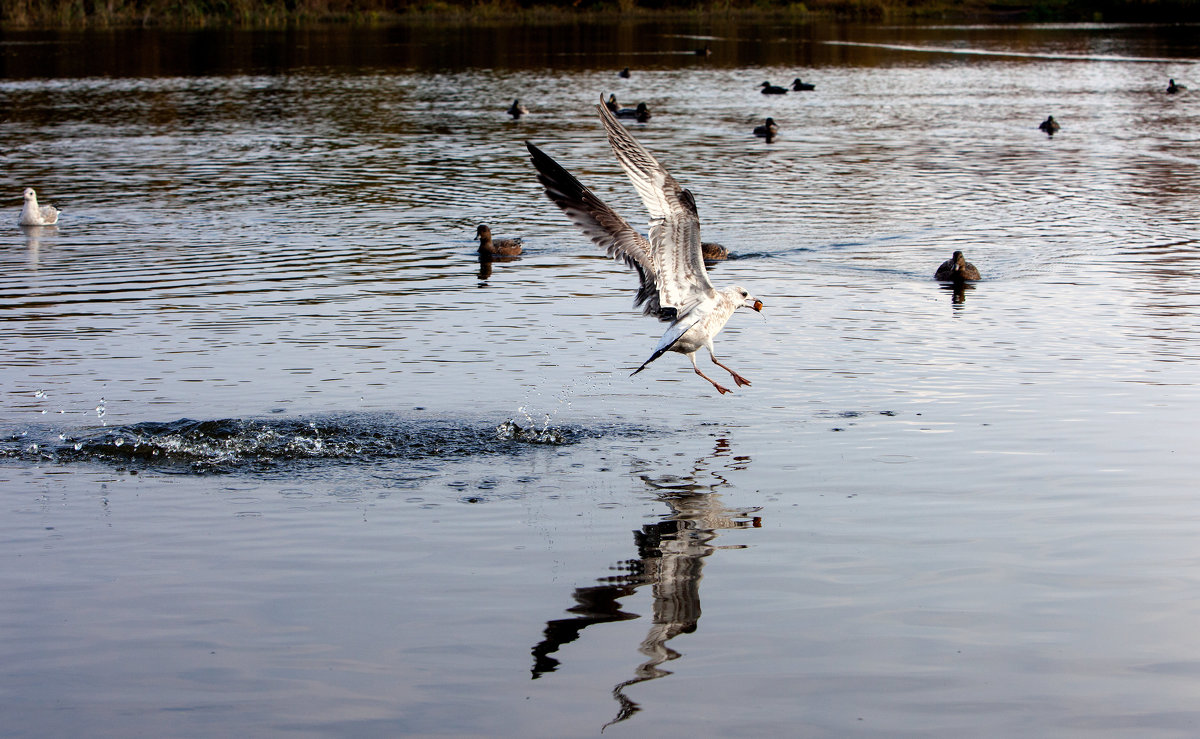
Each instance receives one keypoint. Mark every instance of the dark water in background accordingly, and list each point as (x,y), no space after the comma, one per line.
(571,47)
(278,459)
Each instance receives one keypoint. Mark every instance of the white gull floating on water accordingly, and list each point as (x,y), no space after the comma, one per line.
(674,283)
(34,215)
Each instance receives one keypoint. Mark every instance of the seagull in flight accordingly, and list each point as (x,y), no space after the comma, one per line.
(674,283)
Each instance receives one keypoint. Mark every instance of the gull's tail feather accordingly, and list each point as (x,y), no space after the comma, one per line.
(673,335)
(653,357)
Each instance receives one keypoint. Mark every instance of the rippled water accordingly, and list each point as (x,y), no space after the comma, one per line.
(278,455)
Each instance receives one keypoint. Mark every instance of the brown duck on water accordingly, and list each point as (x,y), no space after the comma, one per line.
(516,110)
(956,269)
(768,129)
(497,248)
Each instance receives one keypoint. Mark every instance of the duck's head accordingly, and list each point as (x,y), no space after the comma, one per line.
(483,232)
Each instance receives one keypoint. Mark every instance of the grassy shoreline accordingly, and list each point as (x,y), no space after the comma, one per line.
(185,14)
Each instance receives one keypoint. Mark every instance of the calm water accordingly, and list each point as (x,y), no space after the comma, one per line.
(279,458)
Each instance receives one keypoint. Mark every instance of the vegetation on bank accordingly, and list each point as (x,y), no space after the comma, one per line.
(278,13)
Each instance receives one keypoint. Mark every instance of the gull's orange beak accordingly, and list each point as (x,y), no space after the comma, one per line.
(758,306)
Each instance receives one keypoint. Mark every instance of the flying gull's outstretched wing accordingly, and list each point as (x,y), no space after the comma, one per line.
(604,227)
(674,222)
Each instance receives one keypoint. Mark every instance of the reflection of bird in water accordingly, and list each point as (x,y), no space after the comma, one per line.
(798,86)
(485,265)
(670,559)
(674,283)
(516,110)
(33,241)
(768,129)
(1050,126)
(769,89)
(33,214)
(956,269)
(497,248)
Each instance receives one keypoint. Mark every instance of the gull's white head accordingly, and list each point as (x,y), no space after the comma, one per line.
(748,301)
(30,195)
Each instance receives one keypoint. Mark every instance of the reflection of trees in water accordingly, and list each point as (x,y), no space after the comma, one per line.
(670,557)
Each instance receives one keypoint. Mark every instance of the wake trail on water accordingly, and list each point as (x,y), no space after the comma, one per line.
(1019,54)
(234,444)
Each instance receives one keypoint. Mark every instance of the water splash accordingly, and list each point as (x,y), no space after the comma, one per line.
(512,431)
(228,445)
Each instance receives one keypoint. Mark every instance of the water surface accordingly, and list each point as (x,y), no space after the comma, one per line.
(279,456)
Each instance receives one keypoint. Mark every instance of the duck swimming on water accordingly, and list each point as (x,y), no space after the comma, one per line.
(498,248)
(956,269)
(798,86)
(641,113)
(769,89)
(1050,126)
(516,110)
(768,129)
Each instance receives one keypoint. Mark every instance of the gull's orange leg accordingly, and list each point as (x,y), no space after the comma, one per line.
(736,377)
(721,390)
